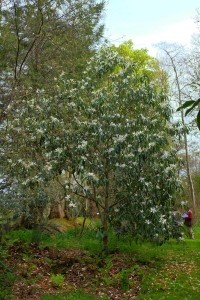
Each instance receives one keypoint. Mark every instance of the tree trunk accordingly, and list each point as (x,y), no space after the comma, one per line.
(105,217)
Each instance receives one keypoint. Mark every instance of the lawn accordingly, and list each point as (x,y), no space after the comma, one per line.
(65,266)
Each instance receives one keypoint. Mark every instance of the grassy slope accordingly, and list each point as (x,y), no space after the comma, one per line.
(171,271)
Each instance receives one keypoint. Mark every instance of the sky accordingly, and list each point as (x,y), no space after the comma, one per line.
(148,22)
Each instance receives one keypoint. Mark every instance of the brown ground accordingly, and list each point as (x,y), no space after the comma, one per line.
(96,276)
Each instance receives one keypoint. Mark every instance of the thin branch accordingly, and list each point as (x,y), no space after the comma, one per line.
(18,41)
(34,41)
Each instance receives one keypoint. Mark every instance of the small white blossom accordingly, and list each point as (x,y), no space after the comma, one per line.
(120,138)
(53,119)
(153,210)
(93,176)
(122,166)
(82,145)
(71,204)
(147,222)
(110,150)
(40,131)
(72,104)
(59,150)
(48,167)
(162,219)
(165,154)
(183,203)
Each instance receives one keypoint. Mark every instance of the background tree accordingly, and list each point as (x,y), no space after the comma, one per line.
(193,75)
(174,61)
(40,39)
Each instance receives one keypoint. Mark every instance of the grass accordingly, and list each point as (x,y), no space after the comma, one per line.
(78,295)
(170,271)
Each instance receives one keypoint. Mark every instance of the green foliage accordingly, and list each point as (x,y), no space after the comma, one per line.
(7,278)
(39,41)
(112,146)
(57,280)
(24,235)
(192,104)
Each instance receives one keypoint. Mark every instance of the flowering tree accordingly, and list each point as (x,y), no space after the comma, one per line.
(109,137)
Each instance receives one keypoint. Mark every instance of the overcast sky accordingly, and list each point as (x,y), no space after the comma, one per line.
(148,22)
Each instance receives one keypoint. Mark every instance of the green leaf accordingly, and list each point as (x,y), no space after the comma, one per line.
(186,104)
(192,107)
(198,119)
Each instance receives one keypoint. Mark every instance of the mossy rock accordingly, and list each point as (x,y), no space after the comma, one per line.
(60,225)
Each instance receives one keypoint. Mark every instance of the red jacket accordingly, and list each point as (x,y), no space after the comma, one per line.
(188,219)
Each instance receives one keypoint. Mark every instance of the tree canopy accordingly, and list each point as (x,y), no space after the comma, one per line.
(40,39)
(107,137)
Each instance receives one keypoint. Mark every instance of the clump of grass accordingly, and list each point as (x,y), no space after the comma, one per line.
(78,295)
(57,280)
(7,279)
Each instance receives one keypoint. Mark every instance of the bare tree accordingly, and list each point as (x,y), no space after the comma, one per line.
(174,61)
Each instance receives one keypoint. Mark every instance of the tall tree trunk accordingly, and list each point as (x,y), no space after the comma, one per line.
(105,217)
(189,177)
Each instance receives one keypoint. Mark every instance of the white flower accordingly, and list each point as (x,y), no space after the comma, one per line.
(147,222)
(72,104)
(162,219)
(84,158)
(93,176)
(113,124)
(40,131)
(167,169)
(122,166)
(59,150)
(48,167)
(165,154)
(71,204)
(82,145)
(183,203)
(48,154)
(53,119)
(110,150)
(151,144)
(25,182)
(153,210)
(120,138)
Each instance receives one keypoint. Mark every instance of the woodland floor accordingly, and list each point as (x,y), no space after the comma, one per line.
(33,268)
(147,272)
